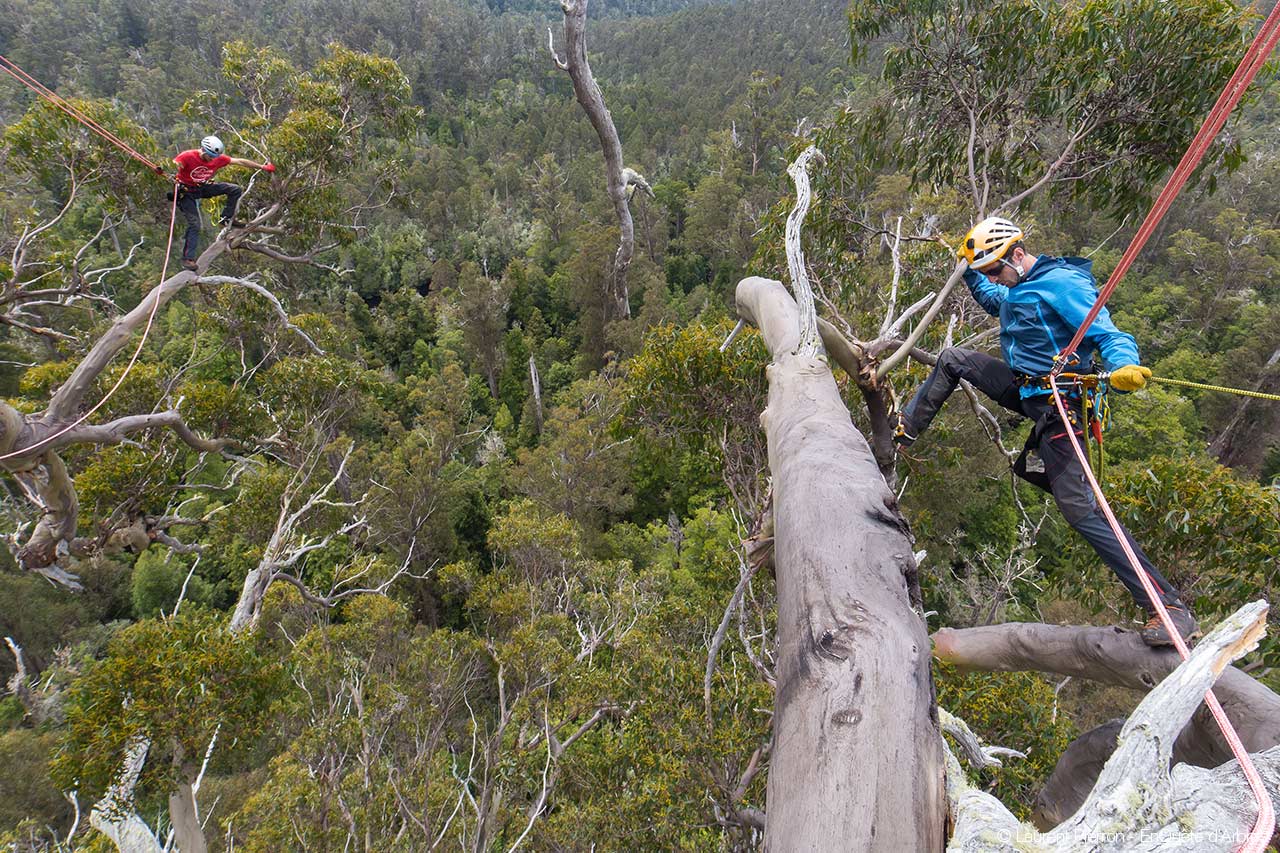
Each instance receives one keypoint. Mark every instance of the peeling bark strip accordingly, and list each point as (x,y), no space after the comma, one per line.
(592,101)
(857,757)
(114,818)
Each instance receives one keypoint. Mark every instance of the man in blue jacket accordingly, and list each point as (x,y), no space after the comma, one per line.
(1040,302)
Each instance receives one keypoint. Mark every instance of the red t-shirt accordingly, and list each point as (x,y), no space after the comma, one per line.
(194,170)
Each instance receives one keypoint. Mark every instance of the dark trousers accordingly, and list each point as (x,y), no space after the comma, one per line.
(190,206)
(1062,469)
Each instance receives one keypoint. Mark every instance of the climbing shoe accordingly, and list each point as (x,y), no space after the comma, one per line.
(188,264)
(1155,634)
(901,437)
(230,223)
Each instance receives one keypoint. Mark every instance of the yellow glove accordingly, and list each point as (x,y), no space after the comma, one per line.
(1131,377)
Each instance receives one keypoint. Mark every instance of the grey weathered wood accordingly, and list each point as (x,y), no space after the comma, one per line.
(857,757)
(1112,655)
(590,98)
(1137,804)
(810,342)
(114,816)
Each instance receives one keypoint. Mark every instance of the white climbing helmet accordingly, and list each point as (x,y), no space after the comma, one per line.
(211,146)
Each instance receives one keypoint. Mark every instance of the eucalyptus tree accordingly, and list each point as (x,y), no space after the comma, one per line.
(983,108)
(320,126)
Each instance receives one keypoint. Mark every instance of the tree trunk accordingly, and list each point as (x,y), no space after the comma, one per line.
(857,761)
(187,832)
(588,94)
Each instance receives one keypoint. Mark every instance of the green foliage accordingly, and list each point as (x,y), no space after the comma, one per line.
(700,403)
(158,579)
(26,792)
(1010,75)
(1213,533)
(580,466)
(63,154)
(173,681)
(573,558)
(1016,710)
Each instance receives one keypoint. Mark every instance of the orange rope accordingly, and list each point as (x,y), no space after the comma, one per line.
(13,70)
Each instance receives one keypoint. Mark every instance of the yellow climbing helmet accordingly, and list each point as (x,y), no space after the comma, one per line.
(988,241)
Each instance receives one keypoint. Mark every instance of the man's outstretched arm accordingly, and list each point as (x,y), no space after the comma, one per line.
(250,164)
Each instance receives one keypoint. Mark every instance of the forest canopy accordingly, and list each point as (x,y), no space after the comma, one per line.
(395,529)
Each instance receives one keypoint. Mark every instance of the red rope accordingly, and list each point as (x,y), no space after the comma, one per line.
(1250,64)
(1265,824)
(13,70)
(1263,44)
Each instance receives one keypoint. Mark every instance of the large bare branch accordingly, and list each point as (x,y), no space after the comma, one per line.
(284,548)
(70,395)
(1112,655)
(114,432)
(918,332)
(271,298)
(1137,804)
(18,685)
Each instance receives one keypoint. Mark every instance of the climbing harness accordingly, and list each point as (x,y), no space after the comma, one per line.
(48,94)
(1263,44)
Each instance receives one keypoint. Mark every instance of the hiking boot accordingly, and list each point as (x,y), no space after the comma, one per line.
(1154,633)
(188,264)
(901,437)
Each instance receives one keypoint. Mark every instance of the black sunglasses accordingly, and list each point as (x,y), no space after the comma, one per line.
(993,271)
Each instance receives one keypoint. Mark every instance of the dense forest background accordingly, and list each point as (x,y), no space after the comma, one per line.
(548,501)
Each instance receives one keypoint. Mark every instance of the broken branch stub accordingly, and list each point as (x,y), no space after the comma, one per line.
(810,343)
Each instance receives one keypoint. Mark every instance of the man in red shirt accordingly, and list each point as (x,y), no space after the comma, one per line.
(196,169)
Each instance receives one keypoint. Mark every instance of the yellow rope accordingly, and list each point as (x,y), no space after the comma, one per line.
(1202,386)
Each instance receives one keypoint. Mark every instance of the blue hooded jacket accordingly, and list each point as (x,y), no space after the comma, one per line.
(1039,315)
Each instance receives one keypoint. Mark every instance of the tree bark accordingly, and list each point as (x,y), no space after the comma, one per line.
(589,96)
(117,820)
(1110,655)
(1137,804)
(187,831)
(857,751)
